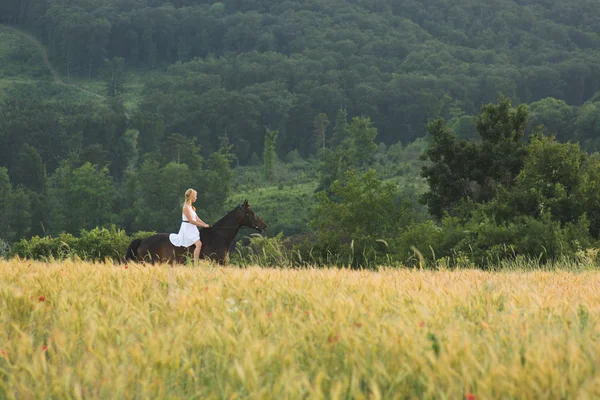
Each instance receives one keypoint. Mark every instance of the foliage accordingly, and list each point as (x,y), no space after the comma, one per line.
(15,209)
(182,75)
(285,207)
(320,124)
(45,248)
(557,117)
(355,150)
(558,179)
(484,243)
(587,125)
(269,156)
(461,170)
(79,198)
(364,216)
(98,244)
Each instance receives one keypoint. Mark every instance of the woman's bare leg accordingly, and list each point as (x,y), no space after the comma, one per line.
(197,251)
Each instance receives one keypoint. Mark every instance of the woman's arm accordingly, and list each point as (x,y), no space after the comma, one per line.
(196,221)
(202,223)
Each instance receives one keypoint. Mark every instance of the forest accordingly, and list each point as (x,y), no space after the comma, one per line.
(364,132)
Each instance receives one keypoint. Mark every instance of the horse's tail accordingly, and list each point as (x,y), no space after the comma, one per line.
(131,253)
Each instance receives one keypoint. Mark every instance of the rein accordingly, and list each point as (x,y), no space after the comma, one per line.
(236,227)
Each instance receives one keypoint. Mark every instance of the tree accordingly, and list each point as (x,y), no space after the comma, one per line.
(362,136)
(217,180)
(182,150)
(115,76)
(555,115)
(461,171)
(29,170)
(269,155)
(558,180)
(79,198)
(320,123)
(587,125)
(340,129)
(366,214)
(159,195)
(15,210)
(354,151)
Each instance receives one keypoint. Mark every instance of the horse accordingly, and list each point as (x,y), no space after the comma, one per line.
(216,240)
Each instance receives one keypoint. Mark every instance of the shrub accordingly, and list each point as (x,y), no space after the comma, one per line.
(98,244)
(45,248)
(101,243)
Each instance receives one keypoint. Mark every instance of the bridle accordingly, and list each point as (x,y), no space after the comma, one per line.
(254,226)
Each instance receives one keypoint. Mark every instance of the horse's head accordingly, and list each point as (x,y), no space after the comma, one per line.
(250,219)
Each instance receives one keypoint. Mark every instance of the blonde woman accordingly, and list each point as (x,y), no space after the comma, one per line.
(188,233)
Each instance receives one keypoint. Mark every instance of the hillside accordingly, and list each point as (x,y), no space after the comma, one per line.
(246,65)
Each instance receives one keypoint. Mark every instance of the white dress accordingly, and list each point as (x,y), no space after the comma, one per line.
(188,233)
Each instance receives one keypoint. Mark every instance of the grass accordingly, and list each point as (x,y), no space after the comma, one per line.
(75,330)
(285,203)
(132,88)
(287,209)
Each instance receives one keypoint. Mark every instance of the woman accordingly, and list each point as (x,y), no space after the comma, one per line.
(188,233)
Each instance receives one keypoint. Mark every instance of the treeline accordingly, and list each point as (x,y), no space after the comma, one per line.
(65,167)
(244,65)
(506,196)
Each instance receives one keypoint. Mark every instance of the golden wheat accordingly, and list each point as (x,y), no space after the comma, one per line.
(81,330)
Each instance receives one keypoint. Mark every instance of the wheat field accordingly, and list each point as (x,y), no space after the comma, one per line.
(71,330)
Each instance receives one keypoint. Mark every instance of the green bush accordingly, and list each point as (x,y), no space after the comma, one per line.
(483,242)
(99,244)
(45,248)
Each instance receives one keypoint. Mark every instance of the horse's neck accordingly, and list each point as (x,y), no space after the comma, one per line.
(230,227)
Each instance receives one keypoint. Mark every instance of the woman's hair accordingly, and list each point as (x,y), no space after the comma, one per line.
(188,198)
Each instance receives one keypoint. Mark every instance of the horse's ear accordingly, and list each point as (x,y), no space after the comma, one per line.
(246,203)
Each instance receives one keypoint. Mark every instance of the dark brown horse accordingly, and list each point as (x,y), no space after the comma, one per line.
(216,240)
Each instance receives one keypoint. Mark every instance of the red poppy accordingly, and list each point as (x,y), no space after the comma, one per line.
(306,313)
(358,324)
(269,314)
(470,396)
(41,298)
(3,352)
(421,324)
(332,339)
(44,348)
(126,266)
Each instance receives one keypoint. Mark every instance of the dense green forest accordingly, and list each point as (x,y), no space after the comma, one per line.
(348,124)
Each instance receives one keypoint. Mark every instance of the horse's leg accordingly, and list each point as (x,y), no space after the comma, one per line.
(224,257)
(197,251)
(166,254)
(173,258)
